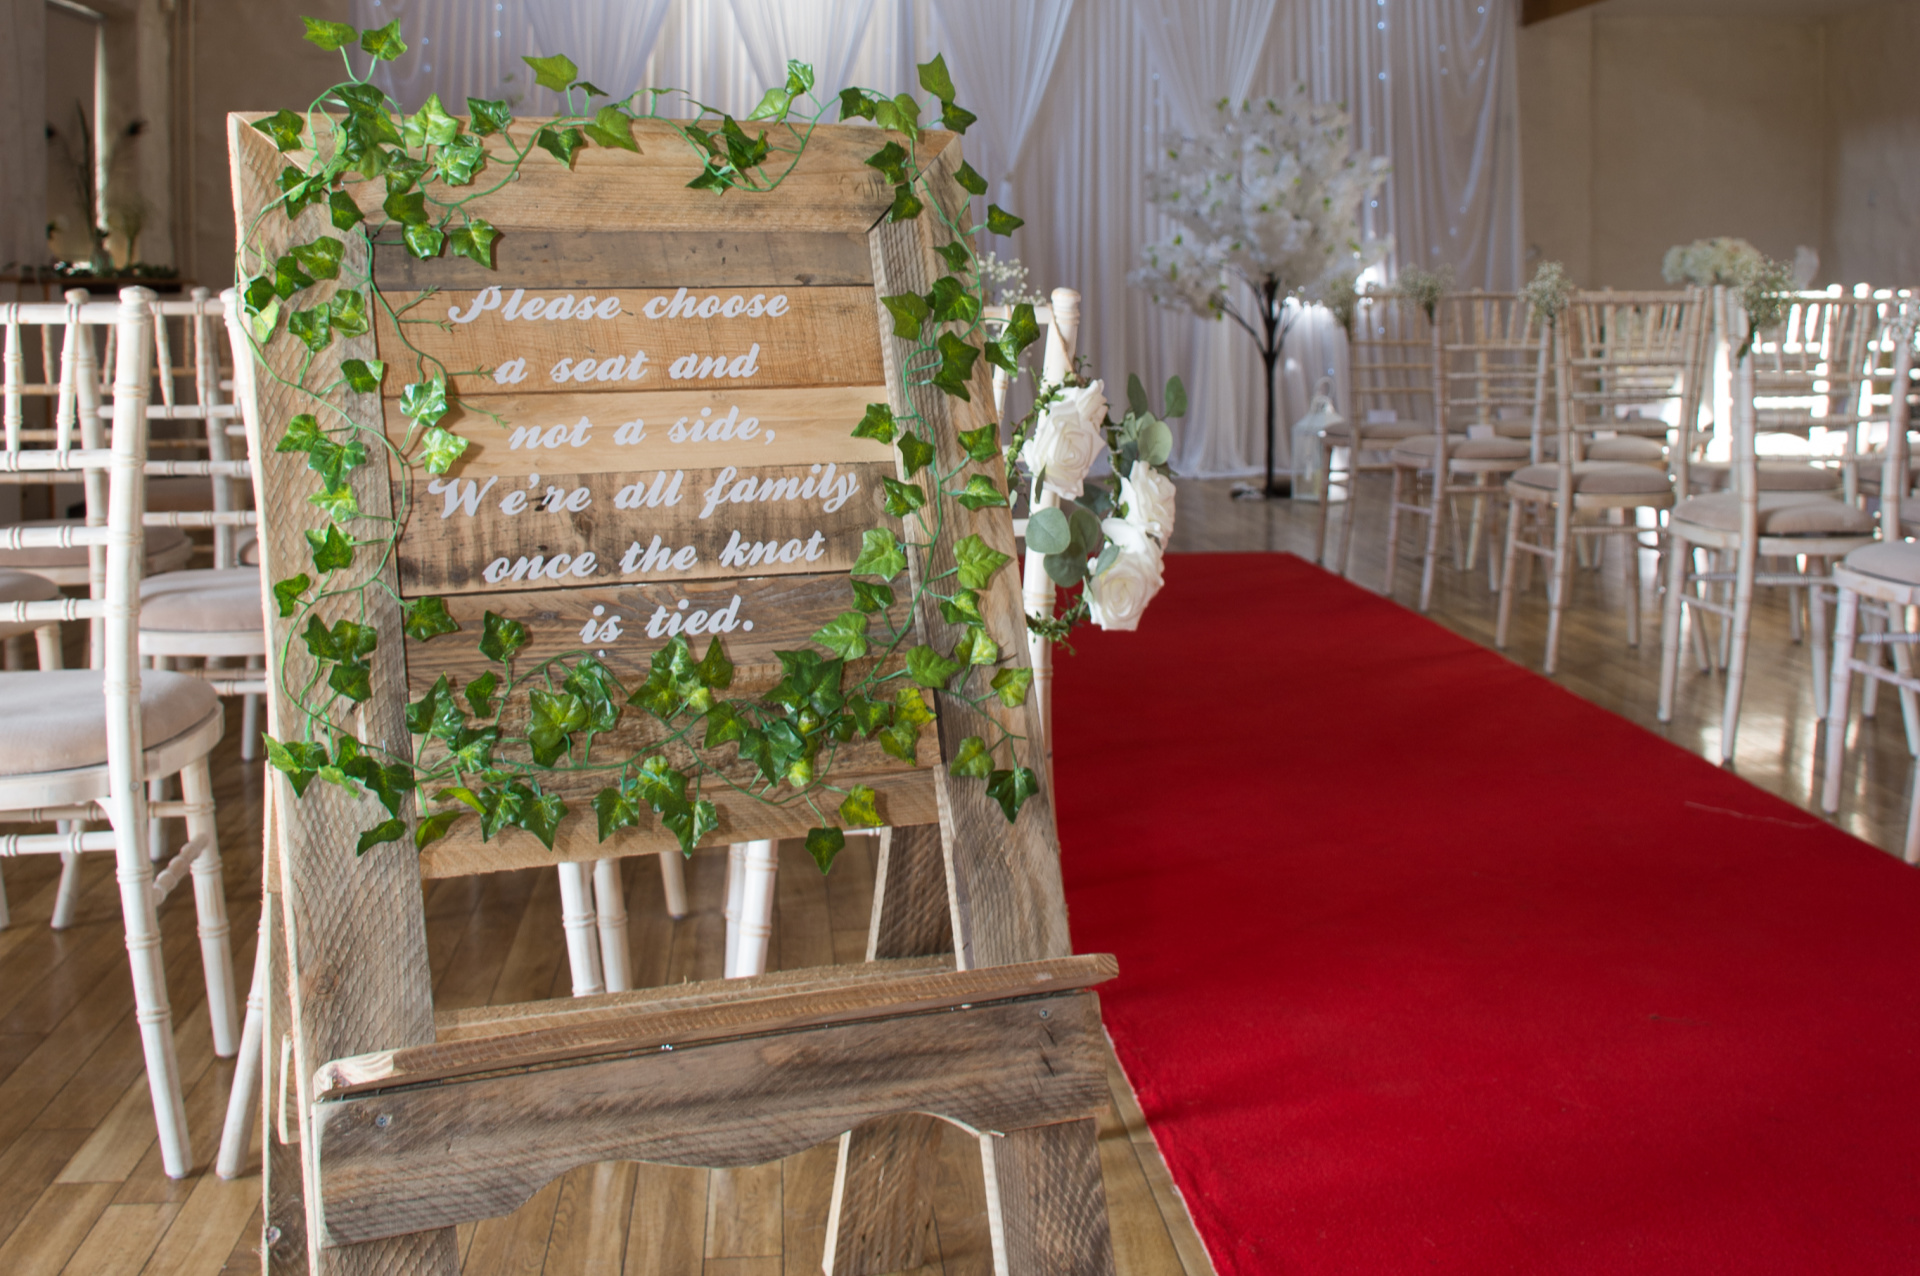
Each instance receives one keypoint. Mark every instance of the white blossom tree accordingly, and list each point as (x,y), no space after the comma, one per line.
(1266,207)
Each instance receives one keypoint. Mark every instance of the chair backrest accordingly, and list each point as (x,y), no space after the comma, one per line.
(1815,362)
(1390,358)
(191,392)
(1491,352)
(1896,334)
(1629,363)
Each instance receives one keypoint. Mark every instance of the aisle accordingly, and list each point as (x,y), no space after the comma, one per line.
(1428,965)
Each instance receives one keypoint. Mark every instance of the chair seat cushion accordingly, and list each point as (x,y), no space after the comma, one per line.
(1598,478)
(1459,448)
(1781,514)
(161,542)
(1383,430)
(219,600)
(1896,561)
(24,587)
(1628,447)
(57,721)
(1775,476)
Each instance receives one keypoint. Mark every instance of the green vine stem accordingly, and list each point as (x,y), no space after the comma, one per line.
(481,751)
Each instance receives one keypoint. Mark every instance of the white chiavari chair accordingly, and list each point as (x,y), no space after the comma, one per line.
(1618,357)
(1491,359)
(1390,400)
(1753,527)
(87,741)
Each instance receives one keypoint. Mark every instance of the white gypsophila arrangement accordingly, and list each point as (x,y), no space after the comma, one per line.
(1107,532)
(1423,287)
(1549,291)
(1265,206)
(1706,262)
(1005,280)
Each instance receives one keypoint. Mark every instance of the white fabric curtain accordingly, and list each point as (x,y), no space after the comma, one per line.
(1430,85)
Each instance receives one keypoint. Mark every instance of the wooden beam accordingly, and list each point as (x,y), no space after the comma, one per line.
(431,1156)
(1532,11)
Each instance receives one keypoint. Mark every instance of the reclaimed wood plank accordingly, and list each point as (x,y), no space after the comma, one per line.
(540,257)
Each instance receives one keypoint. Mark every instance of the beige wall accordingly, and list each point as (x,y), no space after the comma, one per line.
(1638,133)
(1873,159)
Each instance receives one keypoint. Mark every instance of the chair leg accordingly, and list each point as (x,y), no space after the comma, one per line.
(1872,623)
(1633,589)
(673,882)
(6,913)
(1745,567)
(1514,508)
(245,1095)
(1846,617)
(1393,528)
(157,827)
(250,727)
(1320,516)
(1350,526)
(210,906)
(1672,618)
(1561,583)
(1434,520)
(152,1010)
(1903,665)
(1816,637)
(736,889)
(577,919)
(610,905)
(66,900)
(754,921)
(46,641)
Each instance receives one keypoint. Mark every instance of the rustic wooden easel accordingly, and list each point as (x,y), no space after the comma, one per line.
(971,1007)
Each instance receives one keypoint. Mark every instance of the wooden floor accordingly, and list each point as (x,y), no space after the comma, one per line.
(81,1190)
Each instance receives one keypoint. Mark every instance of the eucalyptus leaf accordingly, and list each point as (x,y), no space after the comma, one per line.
(1176,398)
(1137,396)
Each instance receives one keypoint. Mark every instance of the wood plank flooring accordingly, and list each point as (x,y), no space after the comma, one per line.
(81,1190)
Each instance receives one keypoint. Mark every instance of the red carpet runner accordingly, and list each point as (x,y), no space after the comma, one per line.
(1429,966)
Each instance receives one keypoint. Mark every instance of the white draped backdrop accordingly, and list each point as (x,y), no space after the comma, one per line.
(1074,96)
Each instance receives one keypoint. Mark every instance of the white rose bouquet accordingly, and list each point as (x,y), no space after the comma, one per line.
(1119,595)
(1069,439)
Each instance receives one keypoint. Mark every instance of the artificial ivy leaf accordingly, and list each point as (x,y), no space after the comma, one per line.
(258,294)
(956,255)
(337,503)
(891,161)
(474,241)
(480,691)
(962,609)
(423,241)
(855,105)
(556,73)
(262,324)
(906,205)
(500,637)
(471,748)
(344,210)
(430,125)
(902,498)
(301,760)
(956,117)
(408,207)
(489,116)
(460,160)
(1011,789)
(284,127)
(433,828)
(427,618)
(900,114)
(915,452)
(347,313)
(929,668)
(690,821)
(298,190)
(743,151)
(871,598)
(287,593)
(596,687)
(614,811)
(935,79)
(1012,685)
(385,831)
(714,669)
(951,301)
(289,276)
(363,375)
(970,181)
(590,88)
(613,127)
(553,718)
(979,493)
(982,444)
(436,713)
(824,844)
(861,810)
(352,679)
(723,725)
(331,550)
(909,310)
(500,807)
(560,143)
(439,449)
(425,401)
(329,35)
(1022,330)
(845,635)
(876,424)
(384,43)
(868,715)
(901,740)
(972,761)
(774,105)
(880,554)
(313,327)
(909,707)
(1002,222)
(541,815)
(799,76)
(807,683)
(334,461)
(976,647)
(956,366)
(978,561)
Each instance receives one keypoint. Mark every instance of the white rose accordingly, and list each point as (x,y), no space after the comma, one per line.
(1148,496)
(1118,595)
(1068,440)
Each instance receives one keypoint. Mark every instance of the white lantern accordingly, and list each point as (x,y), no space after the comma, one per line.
(1309,458)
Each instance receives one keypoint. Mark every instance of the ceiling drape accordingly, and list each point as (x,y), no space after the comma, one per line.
(1429,83)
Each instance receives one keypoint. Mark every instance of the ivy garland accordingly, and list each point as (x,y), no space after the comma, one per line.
(469,751)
